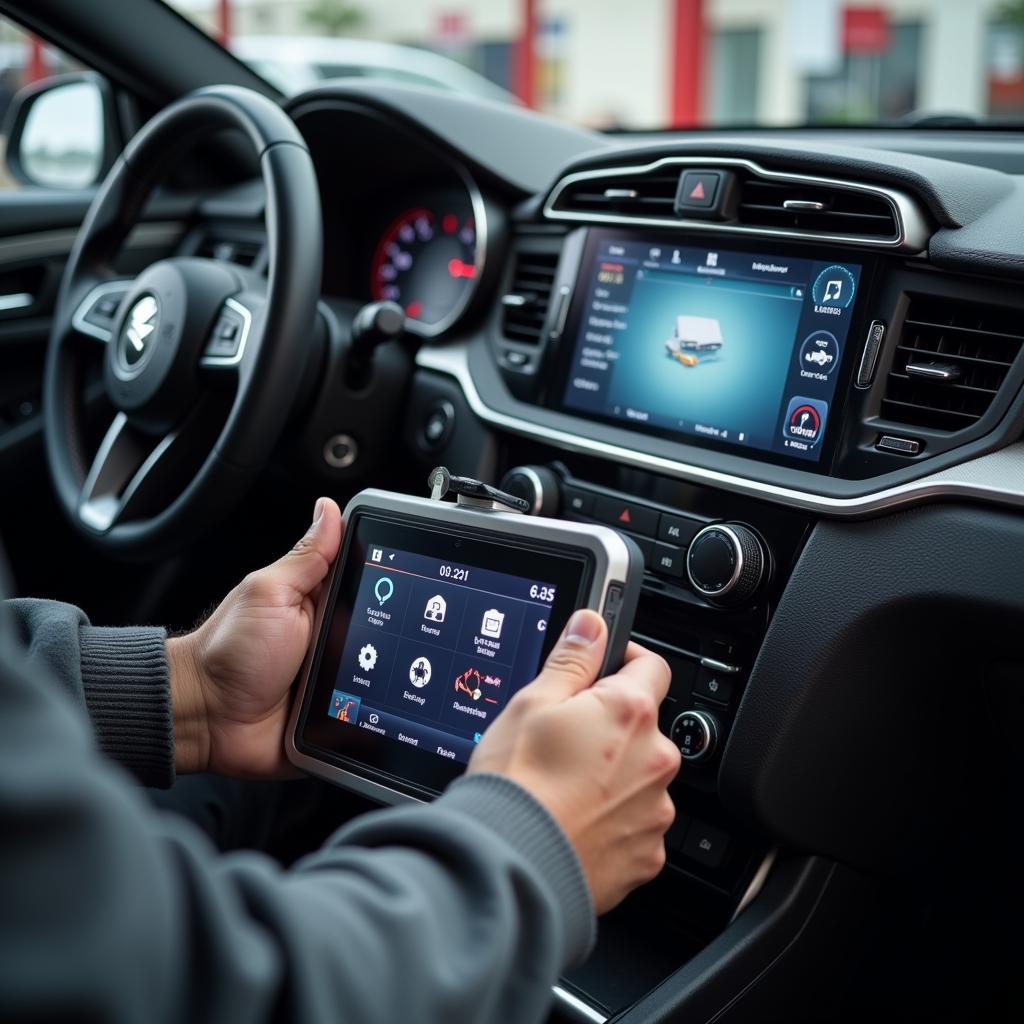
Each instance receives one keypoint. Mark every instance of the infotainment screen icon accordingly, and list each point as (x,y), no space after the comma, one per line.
(715,345)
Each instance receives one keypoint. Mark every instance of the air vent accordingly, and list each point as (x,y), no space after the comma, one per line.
(951,360)
(639,195)
(526,302)
(241,251)
(758,200)
(767,203)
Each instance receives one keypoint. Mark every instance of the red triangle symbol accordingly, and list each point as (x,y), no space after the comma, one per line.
(624,516)
(697,192)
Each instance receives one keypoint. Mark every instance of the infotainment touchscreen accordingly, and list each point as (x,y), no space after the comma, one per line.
(731,347)
(434,618)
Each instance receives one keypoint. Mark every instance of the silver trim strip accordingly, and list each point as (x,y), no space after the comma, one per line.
(972,479)
(714,665)
(575,1008)
(912,235)
(756,884)
(16,300)
(246,315)
(78,321)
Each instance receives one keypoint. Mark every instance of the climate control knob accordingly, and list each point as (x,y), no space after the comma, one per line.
(536,484)
(695,733)
(726,563)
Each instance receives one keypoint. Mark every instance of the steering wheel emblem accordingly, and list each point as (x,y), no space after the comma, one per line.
(137,341)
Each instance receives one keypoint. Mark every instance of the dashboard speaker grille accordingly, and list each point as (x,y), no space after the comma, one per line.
(526,303)
(951,360)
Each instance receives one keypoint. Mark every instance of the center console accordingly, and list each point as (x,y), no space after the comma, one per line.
(716,381)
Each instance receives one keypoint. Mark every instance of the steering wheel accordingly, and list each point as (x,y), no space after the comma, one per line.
(203,359)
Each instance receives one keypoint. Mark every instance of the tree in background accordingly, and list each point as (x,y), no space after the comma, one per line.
(334,17)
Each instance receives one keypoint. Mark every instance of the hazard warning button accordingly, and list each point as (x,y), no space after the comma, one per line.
(702,193)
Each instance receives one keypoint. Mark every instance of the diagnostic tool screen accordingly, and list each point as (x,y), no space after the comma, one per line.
(730,347)
(435,648)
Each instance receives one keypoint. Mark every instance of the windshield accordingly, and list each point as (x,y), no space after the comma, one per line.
(655,64)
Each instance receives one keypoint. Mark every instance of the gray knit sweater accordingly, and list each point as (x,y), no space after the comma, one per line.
(461,911)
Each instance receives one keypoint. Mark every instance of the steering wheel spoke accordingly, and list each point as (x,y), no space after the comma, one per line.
(97,313)
(133,470)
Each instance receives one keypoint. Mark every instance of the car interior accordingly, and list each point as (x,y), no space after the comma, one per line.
(787,363)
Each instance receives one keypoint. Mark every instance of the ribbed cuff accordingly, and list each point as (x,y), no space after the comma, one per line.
(528,827)
(128,694)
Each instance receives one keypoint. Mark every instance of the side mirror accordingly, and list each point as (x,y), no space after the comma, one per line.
(62,132)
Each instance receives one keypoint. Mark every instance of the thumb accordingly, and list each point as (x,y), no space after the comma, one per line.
(305,566)
(576,658)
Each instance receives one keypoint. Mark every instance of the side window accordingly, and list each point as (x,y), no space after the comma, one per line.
(51,115)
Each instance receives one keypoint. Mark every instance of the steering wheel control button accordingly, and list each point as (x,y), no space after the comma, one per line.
(437,426)
(225,336)
(341,451)
(705,844)
(97,313)
(713,685)
(695,733)
(626,515)
(666,560)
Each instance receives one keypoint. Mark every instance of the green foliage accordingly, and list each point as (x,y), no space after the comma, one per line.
(1011,13)
(334,17)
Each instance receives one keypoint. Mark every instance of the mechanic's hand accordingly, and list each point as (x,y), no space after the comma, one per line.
(592,754)
(231,679)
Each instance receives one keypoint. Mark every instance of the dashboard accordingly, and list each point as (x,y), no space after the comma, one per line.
(791,371)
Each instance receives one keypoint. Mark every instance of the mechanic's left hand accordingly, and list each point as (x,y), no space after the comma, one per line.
(231,679)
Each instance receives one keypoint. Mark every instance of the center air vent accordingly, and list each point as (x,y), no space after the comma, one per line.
(760,201)
(637,195)
(834,211)
(951,360)
(526,303)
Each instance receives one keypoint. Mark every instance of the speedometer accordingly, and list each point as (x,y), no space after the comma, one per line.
(426,261)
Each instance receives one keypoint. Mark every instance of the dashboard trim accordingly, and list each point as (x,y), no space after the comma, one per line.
(913,229)
(997,477)
(575,1008)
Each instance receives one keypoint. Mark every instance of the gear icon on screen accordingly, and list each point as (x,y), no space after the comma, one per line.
(367,657)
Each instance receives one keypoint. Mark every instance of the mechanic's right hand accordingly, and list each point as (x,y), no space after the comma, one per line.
(592,754)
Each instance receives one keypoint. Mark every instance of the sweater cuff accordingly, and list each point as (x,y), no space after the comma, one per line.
(528,827)
(128,693)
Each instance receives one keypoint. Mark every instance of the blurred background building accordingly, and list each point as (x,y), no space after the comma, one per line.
(650,63)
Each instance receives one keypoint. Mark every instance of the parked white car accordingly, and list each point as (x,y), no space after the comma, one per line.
(294,63)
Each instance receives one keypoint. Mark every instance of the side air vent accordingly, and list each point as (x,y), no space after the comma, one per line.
(825,210)
(951,360)
(239,250)
(526,303)
(639,195)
